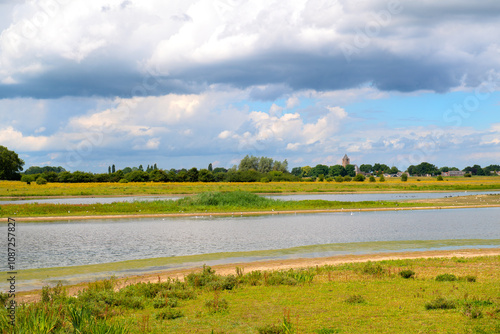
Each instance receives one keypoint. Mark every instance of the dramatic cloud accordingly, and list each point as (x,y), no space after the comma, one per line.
(85,48)
(183,83)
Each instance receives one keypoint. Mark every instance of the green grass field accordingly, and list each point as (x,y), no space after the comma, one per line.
(457,295)
(21,189)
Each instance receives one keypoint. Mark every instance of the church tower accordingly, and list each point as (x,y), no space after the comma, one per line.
(346,161)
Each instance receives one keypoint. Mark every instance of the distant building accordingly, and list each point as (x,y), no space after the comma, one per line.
(453,173)
(346,161)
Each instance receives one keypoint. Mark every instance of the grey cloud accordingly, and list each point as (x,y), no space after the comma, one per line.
(430,63)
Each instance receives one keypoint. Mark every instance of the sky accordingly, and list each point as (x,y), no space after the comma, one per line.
(85,84)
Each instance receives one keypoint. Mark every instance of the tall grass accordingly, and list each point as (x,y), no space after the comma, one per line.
(327,299)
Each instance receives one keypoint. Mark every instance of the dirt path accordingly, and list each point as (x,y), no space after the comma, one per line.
(227,269)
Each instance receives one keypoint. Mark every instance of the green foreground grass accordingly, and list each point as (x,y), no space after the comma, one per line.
(457,295)
(218,202)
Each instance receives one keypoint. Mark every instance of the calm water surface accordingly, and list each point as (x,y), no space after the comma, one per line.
(328,197)
(101,241)
(90,200)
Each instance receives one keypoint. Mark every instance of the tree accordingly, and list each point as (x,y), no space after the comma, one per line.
(297,171)
(320,169)
(404,177)
(366,168)
(40,170)
(265,165)
(137,176)
(306,171)
(113,169)
(210,168)
(248,163)
(28,178)
(10,165)
(378,168)
(350,170)
(157,175)
(491,169)
(109,169)
(192,175)
(337,170)
(205,176)
(394,170)
(219,170)
(423,169)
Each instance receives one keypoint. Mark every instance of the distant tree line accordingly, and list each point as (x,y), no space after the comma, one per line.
(250,169)
(339,170)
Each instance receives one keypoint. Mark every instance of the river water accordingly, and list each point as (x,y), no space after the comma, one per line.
(52,244)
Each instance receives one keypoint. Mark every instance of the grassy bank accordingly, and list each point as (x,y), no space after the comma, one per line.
(21,189)
(204,202)
(216,202)
(457,295)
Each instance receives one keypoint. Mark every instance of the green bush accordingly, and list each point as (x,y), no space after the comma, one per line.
(160,302)
(404,177)
(467,175)
(347,178)
(359,178)
(440,303)
(123,181)
(446,278)
(169,314)
(355,299)
(439,178)
(252,278)
(339,179)
(382,178)
(27,178)
(372,178)
(264,180)
(407,273)
(41,181)
(372,268)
